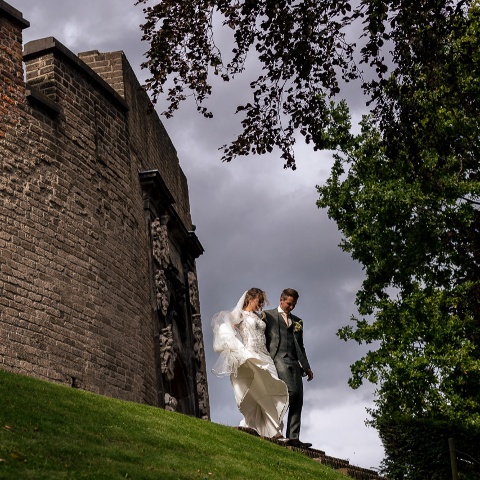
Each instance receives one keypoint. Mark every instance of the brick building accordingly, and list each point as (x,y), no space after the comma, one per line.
(98,286)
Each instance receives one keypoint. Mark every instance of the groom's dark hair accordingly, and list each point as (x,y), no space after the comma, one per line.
(289,292)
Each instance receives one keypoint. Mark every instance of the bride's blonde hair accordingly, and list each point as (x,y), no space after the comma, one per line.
(253,293)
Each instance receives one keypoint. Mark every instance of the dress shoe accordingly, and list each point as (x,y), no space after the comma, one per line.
(295,442)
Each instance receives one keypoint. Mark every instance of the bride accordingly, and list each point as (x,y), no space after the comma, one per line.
(239,338)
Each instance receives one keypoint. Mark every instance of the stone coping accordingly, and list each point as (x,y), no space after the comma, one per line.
(14,14)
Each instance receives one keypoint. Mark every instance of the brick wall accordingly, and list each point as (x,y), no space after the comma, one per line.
(78,301)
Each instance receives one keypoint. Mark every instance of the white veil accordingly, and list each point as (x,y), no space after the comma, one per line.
(227,341)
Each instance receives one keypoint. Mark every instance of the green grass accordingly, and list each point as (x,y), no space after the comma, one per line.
(49,431)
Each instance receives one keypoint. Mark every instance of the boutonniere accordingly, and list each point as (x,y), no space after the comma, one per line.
(297,326)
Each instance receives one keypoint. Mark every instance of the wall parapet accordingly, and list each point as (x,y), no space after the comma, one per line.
(43,46)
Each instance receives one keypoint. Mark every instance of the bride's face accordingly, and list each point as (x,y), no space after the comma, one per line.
(254,304)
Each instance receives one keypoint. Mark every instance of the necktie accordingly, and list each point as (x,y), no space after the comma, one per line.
(285,317)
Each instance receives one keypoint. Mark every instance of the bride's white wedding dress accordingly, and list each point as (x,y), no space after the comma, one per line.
(262,398)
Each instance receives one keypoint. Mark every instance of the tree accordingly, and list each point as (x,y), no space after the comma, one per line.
(299,44)
(405,195)
(405,192)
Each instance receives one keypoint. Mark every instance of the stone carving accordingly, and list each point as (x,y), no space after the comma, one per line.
(161,253)
(198,346)
(201,376)
(167,352)
(202,391)
(162,292)
(193,291)
(161,246)
(170,403)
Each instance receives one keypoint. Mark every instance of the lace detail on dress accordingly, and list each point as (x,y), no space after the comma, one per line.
(252,330)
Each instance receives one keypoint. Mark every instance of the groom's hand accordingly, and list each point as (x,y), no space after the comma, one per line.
(309,375)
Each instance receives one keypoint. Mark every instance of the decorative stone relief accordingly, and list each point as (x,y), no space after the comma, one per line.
(198,346)
(170,403)
(162,292)
(201,376)
(202,391)
(167,352)
(161,246)
(193,291)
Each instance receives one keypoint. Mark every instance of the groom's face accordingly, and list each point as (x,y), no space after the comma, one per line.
(287,304)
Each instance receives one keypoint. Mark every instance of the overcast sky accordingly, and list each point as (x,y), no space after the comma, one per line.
(259,226)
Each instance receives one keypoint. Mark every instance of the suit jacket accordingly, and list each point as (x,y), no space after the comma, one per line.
(272,336)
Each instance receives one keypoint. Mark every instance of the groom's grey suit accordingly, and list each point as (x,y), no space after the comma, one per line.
(285,346)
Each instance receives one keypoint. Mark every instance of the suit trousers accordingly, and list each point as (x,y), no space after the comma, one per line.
(291,373)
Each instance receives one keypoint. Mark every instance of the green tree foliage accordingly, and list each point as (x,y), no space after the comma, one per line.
(405,195)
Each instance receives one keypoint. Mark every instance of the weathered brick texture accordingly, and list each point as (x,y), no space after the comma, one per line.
(86,174)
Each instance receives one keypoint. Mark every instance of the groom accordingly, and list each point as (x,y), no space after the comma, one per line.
(284,338)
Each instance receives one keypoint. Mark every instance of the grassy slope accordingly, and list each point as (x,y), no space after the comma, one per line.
(49,431)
